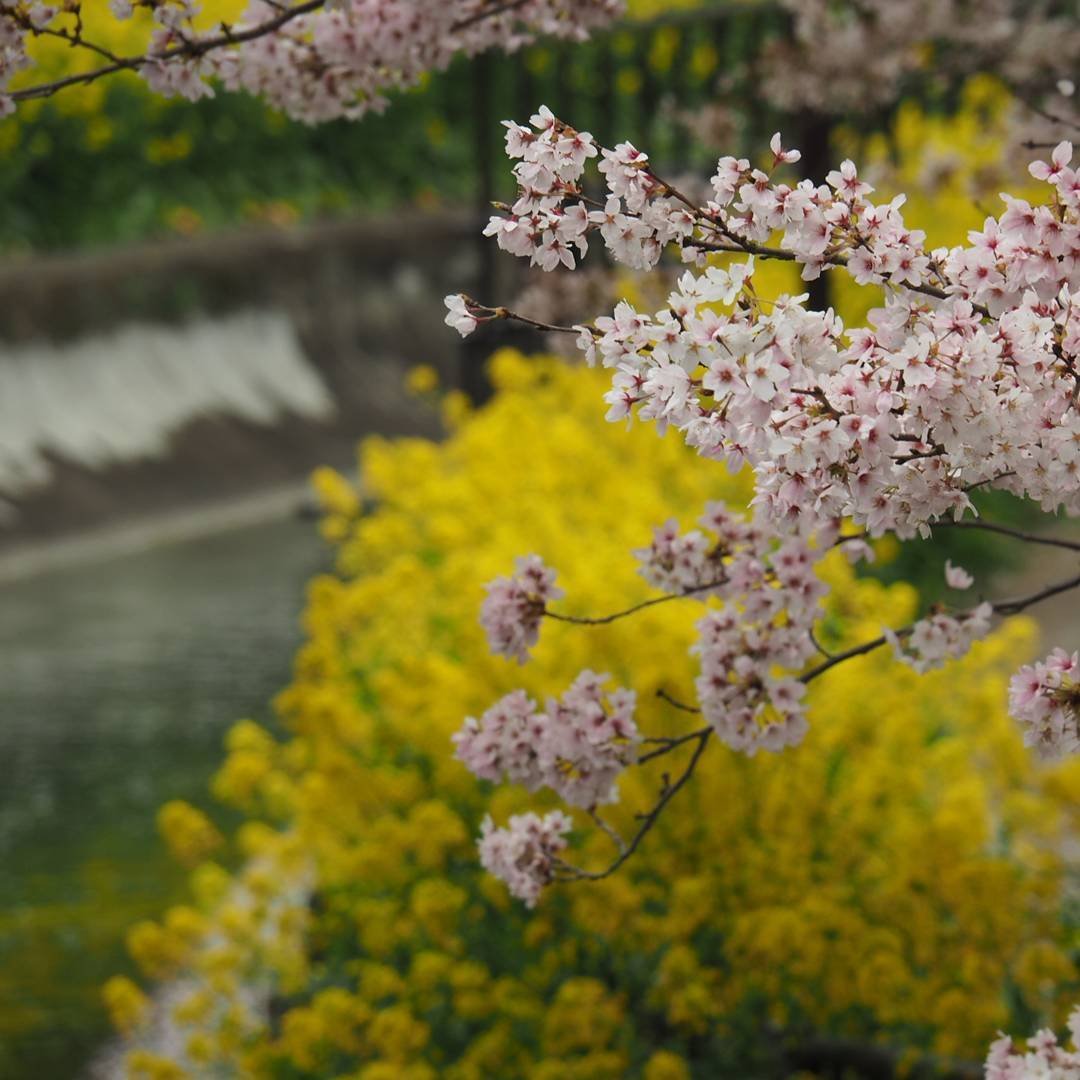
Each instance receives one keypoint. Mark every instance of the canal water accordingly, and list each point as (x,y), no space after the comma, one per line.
(118,681)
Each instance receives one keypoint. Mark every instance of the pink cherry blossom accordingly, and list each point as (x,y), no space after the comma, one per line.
(967,376)
(524,854)
(459,316)
(1045,1058)
(577,747)
(956,577)
(1044,697)
(514,606)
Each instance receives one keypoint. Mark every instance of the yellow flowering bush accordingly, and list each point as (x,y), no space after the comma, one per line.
(898,878)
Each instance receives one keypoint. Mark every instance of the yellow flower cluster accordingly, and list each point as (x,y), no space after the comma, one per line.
(188,833)
(898,877)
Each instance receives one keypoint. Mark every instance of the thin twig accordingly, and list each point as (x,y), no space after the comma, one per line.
(848,654)
(608,831)
(1053,118)
(990,480)
(671,744)
(603,620)
(817,645)
(1002,607)
(198,48)
(486,13)
(665,696)
(1005,530)
(1014,607)
(574,873)
(567,872)
(513,316)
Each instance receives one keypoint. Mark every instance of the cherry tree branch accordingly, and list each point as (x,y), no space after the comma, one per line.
(603,620)
(701,736)
(1002,607)
(670,789)
(665,696)
(484,313)
(1005,530)
(673,743)
(1014,607)
(487,13)
(185,49)
(738,246)
(199,47)
(608,831)
(1053,118)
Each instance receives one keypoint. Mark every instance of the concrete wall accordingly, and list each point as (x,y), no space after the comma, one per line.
(140,380)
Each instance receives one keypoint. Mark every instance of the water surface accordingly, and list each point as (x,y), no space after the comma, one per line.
(118,681)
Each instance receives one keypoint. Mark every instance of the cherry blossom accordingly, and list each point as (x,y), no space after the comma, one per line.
(1045,697)
(891,425)
(459,315)
(939,637)
(514,606)
(524,854)
(956,577)
(965,377)
(316,60)
(1045,1058)
(577,746)
(843,57)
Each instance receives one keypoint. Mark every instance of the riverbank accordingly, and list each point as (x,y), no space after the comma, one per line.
(287,501)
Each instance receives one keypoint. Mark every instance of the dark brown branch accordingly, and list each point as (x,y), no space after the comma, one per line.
(668,792)
(486,313)
(665,696)
(189,49)
(486,13)
(702,735)
(989,480)
(603,620)
(1005,530)
(1014,607)
(608,831)
(1002,607)
(671,744)
(76,40)
(513,316)
(848,654)
(817,645)
(1053,118)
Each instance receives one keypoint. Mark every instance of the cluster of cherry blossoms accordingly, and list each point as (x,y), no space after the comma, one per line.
(514,606)
(966,377)
(1045,1058)
(577,747)
(1045,698)
(770,598)
(315,60)
(891,425)
(822,62)
(940,636)
(525,854)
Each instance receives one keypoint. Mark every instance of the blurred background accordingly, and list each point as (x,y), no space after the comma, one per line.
(201,304)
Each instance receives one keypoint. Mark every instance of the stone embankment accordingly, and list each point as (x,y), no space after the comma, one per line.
(189,375)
